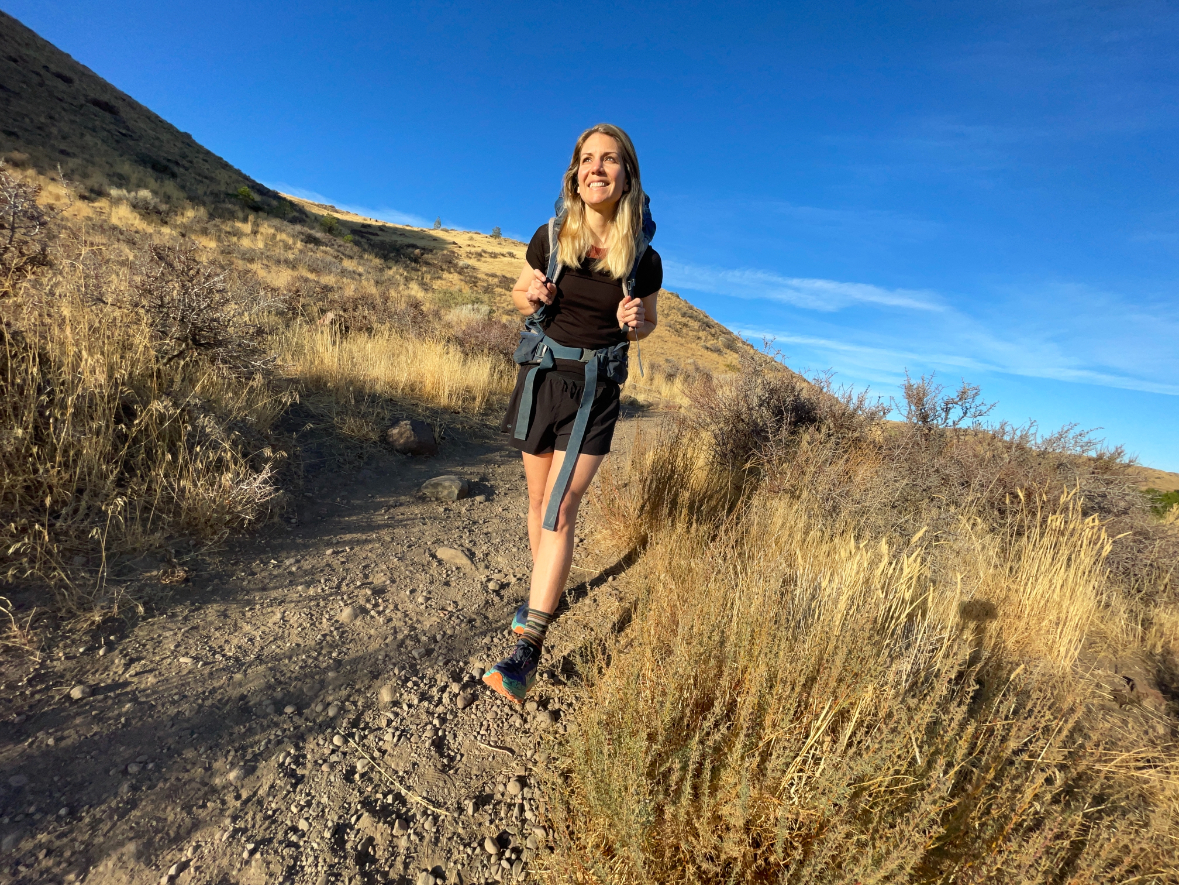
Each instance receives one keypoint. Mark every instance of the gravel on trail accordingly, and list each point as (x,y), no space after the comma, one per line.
(307,707)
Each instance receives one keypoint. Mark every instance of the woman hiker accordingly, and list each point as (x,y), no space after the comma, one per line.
(583,300)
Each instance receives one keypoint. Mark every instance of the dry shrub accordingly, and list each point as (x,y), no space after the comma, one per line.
(479,333)
(124,428)
(186,304)
(24,228)
(872,660)
(793,703)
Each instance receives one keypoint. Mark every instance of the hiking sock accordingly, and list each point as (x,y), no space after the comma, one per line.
(536,627)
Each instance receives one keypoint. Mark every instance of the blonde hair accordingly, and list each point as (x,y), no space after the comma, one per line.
(574,242)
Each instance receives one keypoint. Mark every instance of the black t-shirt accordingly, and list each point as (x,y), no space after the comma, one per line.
(585,311)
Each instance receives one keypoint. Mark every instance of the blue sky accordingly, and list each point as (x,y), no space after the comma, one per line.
(988,190)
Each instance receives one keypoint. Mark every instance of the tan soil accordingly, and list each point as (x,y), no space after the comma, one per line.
(135,780)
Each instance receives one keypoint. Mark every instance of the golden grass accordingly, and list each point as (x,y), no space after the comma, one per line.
(796,702)
(107,451)
(112,447)
(391,364)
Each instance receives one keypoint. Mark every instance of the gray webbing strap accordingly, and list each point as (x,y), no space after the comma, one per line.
(550,349)
(580,422)
(524,416)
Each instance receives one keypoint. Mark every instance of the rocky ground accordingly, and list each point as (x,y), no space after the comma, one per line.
(304,706)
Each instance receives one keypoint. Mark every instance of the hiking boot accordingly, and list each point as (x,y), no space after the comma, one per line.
(514,675)
(521,618)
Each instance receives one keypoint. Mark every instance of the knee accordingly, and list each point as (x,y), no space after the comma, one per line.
(567,515)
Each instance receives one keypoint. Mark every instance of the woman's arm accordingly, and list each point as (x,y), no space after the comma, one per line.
(639,314)
(532,290)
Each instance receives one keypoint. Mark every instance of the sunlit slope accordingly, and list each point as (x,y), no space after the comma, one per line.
(485,268)
(55,112)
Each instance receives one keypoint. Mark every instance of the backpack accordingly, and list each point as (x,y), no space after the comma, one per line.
(540,351)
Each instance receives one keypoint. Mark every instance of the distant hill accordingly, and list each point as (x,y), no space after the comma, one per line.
(56,112)
(485,268)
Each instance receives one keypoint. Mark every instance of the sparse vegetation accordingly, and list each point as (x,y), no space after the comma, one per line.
(857,650)
(496,233)
(863,651)
(147,357)
(24,242)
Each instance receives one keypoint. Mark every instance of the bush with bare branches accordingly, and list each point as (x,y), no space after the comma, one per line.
(24,230)
(187,306)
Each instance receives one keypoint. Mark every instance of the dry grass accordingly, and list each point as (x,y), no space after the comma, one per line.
(147,360)
(806,693)
(388,363)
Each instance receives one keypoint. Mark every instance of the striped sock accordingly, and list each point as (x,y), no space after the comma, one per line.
(536,628)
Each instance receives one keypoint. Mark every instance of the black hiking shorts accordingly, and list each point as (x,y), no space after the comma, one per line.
(558,396)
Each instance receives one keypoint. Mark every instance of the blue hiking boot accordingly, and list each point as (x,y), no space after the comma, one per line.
(521,618)
(515,674)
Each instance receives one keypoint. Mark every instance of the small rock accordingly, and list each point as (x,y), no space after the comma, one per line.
(9,841)
(515,787)
(235,776)
(80,691)
(491,846)
(546,718)
(446,488)
(134,768)
(413,438)
(387,694)
(430,825)
(333,711)
(419,653)
(532,843)
(338,740)
(531,706)
(290,708)
(400,827)
(480,499)
(304,825)
(351,614)
(477,671)
(17,780)
(425,878)
(517,868)
(465,699)
(471,808)
(451,556)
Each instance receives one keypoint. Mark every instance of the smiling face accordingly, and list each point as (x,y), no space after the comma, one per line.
(601,175)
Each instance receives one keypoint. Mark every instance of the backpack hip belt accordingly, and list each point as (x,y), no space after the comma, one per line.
(604,362)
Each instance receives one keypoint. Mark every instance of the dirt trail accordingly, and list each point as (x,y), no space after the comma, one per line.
(240,734)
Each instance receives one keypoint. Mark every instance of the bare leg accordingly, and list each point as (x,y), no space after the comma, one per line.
(536,471)
(552,552)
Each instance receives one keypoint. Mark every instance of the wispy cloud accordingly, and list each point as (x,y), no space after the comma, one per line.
(810,294)
(396,216)
(974,351)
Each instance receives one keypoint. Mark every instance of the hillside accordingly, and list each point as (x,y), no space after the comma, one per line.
(242,639)
(58,113)
(485,268)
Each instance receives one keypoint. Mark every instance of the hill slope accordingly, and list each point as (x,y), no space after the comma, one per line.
(485,268)
(57,112)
